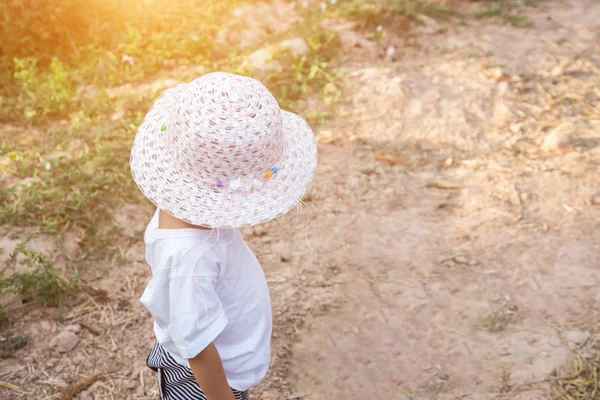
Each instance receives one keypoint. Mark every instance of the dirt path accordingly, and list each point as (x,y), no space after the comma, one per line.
(456,253)
(472,266)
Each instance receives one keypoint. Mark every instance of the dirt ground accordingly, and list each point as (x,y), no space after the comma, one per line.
(454,220)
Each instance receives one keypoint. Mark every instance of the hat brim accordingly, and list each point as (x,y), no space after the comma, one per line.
(178,193)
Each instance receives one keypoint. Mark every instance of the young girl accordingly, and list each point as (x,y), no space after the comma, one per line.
(214,155)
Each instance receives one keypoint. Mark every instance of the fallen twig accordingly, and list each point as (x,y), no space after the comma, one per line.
(442,185)
(389,159)
(82,383)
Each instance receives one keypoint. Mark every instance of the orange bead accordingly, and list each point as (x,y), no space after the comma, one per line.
(268,174)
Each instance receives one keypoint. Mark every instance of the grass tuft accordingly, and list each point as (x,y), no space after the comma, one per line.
(41,284)
(582,382)
(9,344)
(497,320)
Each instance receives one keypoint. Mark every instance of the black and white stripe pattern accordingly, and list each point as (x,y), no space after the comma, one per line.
(175,381)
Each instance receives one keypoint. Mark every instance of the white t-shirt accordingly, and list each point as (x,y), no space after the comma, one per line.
(208,287)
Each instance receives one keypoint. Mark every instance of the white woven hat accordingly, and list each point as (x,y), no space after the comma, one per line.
(219,152)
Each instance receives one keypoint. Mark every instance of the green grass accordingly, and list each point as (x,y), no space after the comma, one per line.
(505,9)
(102,44)
(374,13)
(9,344)
(39,283)
(491,10)
(519,21)
(72,153)
(84,186)
(498,319)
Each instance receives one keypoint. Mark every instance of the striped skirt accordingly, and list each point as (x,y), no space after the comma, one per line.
(175,381)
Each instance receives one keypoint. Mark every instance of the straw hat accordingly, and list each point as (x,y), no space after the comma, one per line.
(219,152)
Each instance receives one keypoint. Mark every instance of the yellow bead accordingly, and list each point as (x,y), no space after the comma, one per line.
(268,174)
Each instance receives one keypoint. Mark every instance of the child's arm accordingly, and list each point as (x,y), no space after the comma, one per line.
(208,370)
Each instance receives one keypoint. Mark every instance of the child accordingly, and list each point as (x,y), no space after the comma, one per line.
(214,155)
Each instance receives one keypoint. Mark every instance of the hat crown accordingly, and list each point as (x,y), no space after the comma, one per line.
(222,127)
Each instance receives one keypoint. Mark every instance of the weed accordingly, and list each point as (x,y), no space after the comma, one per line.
(9,344)
(4,290)
(492,10)
(42,94)
(367,12)
(502,8)
(41,284)
(519,21)
(78,174)
(497,320)
(98,36)
(408,8)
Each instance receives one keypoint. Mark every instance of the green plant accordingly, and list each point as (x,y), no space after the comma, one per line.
(4,290)
(101,43)
(408,8)
(519,21)
(497,320)
(368,12)
(41,284)
(10,343)
(42,94)
(491,10)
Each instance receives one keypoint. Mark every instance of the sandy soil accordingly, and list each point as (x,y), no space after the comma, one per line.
(454,220)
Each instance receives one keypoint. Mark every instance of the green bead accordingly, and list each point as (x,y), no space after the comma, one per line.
(163,128)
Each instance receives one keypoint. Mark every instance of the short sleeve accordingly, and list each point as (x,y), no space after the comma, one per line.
(188,308)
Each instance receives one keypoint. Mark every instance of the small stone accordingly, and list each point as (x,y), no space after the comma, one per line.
(368,169)
(557,139)
(595,199)
(73,328)
(495,73)
(45,326)
(462,260)
(86,396)
(515,128)
(282,250)
(501,113)
(64,341)
(556,71)
(390,51)
(503,88)
(78,359)
(577,337)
